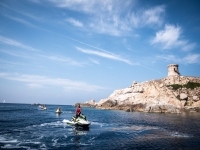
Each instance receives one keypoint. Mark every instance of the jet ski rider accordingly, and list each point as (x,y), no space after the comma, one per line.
(78,112)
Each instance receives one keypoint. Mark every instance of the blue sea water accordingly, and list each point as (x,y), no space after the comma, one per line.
(23,126)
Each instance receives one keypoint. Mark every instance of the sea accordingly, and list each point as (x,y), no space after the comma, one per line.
(28,127)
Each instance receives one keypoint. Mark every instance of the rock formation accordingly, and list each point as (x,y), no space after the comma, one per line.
(90,103)
(172,94)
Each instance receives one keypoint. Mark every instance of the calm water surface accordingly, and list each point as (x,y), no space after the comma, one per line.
(28,127)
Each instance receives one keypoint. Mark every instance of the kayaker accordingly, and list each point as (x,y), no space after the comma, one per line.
(78,112)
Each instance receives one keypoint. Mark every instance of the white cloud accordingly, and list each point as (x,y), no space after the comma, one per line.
(75,22)
(33,85)
(121,23)
(188,59)
(3,74)
(16,43)
(113,17)
(95,61)
(6,64)
(104,54)
(170,37)
(189,47)
(112,26)
(169,58)
(146,18)
(90,6)
(17,54)
(42,81)
(22,21)
(64,60)
(22,12)
(192,58)
(153,15)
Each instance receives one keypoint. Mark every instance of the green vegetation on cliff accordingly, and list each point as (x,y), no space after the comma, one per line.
(189,85)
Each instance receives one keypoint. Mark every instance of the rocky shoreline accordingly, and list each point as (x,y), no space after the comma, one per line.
(173,94)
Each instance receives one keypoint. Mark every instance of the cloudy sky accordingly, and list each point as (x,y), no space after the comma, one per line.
(68,51)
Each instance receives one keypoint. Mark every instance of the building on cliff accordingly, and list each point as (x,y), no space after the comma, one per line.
(173,70)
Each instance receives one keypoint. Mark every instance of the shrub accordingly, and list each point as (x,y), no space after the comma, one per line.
(175,86)
(189,85)
(192,85)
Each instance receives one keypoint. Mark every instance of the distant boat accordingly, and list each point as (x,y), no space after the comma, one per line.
(4,101)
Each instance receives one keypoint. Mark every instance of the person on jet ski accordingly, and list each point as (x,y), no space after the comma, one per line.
(78,112)
(58,110)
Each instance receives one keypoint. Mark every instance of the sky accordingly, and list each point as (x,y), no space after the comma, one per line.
(68,51)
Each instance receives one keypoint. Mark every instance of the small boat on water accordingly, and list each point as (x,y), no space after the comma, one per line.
(4,101)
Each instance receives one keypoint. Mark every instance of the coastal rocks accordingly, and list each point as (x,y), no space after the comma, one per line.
(127,90)
(138,107)
(195,98)
(109,103)
(138,89)
(183,96)
(128,108)
(162,109)
(190,109)
(167,95)
(90,103)
(196,104)
(173,94)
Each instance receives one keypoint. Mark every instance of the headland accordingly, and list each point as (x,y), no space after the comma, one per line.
(173,94)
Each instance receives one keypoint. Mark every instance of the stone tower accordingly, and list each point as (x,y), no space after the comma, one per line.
(173,70)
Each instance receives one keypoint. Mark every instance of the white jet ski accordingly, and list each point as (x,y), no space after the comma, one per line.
(58,111)
(80,121)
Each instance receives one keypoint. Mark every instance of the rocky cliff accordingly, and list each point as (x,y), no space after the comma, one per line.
(173,94)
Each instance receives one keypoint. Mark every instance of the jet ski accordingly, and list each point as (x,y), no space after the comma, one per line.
(58,111)
(43,107)
(80,121)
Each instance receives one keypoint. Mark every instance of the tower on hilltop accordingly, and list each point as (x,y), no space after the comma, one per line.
(173,70)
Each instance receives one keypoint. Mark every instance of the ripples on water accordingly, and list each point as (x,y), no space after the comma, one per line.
(29,127)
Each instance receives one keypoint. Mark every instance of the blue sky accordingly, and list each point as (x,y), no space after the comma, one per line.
(68,51)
